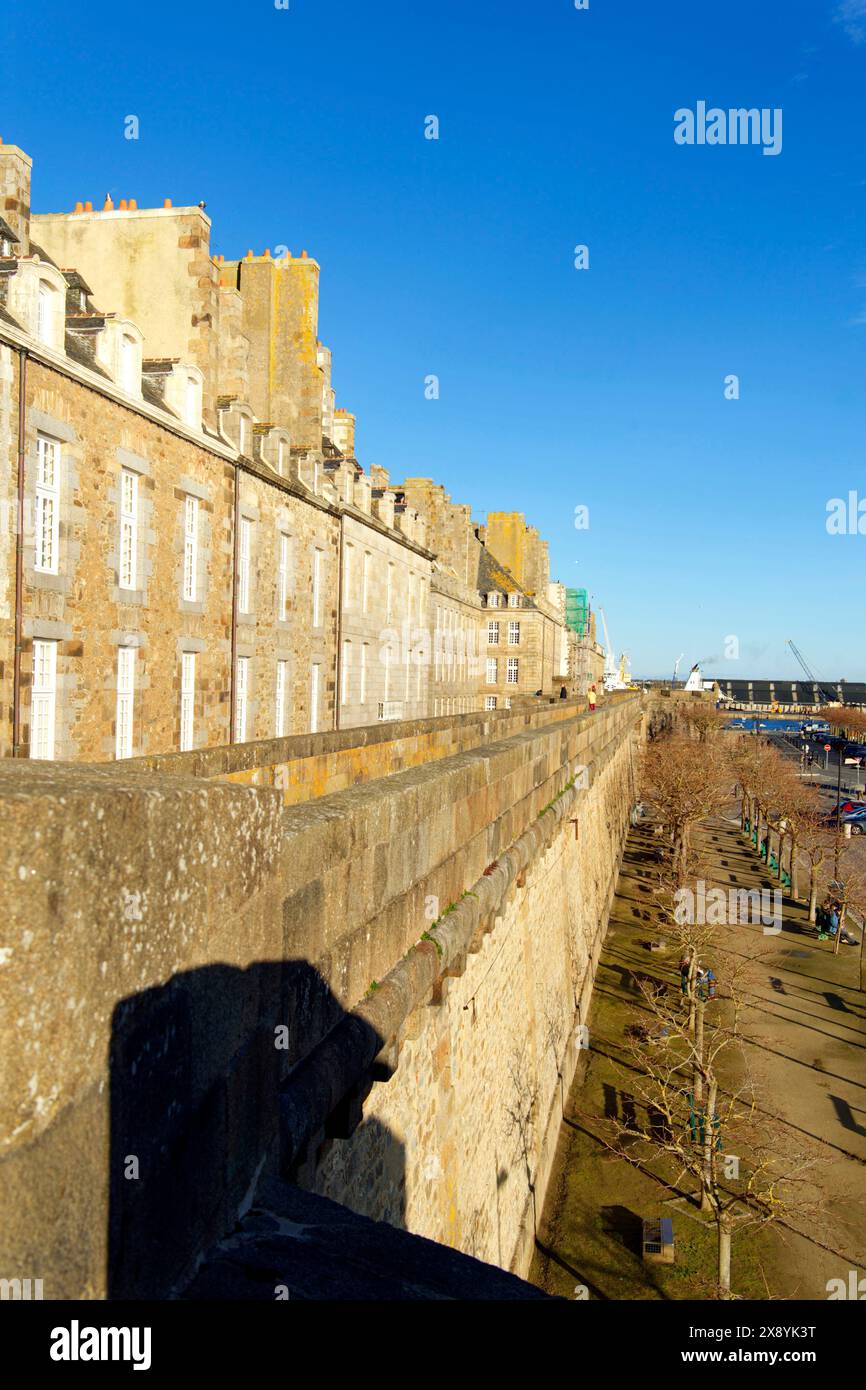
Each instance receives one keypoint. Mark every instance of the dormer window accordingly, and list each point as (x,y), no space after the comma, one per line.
(192,402)
(44,310)
(128,364)
(493,600)
(513,600)
(5,248)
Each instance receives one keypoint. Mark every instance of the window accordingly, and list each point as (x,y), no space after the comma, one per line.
(47,504)
(490,702)
(386,658)
(191,407)
(241,688)
(281,693)
(513,600)
(44,311)
(314,699)
(345,676)
(348,573)
(190,548)
(244,537)
(128,374)
(389,591)
(508,702)
(187,701)
(511,670)
(365,580)
(317,588)
(362,690)
(128,529)
(243,427)
(492,634)
(513,634)
(125,697)
(283,577)
(43,699)
(492,665)
(493,600)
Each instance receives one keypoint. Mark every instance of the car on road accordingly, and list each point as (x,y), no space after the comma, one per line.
(856,818)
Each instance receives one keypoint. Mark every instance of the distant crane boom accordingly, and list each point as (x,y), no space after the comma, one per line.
(829,696)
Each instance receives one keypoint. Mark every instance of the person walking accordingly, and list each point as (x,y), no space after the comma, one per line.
(592,697)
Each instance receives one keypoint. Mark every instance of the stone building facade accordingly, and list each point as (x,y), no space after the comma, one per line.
(190,552)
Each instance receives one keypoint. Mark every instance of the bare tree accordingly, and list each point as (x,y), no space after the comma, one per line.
(686,781)
(740,1161)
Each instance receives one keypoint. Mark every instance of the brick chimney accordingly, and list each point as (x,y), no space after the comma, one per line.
(15,167)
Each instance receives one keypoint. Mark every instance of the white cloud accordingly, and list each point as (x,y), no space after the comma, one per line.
(851,14)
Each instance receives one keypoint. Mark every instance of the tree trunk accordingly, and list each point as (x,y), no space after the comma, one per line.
(699,1052)
(813,892)
(724,1254)
(708,1182)
(792,867)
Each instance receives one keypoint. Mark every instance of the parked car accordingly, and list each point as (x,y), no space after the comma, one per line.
(857,821)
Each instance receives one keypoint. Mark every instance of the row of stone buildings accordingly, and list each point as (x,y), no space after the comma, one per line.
(190,551)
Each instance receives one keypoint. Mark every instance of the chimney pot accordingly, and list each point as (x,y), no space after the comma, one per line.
(249,255)
(79,207)
(108,205)
(133,205)
(303,255)
(122,205)
(88,207)
(166,202)
(266,253)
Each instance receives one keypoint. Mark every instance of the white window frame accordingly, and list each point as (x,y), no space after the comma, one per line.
(190,549)
(242,689)
(490,702)
(46,554)
(492,634)
(512,670)
(285,544)
(187,701)
(281,692)
(492,667)
(317,587)
(493,599)
(125,710)
(514,600)
(315,682)
(514,634)
(43,699)
(365,582)
(362,678)
(128,566)
(44,312)
(345,671)
(281,457)
(245,531)
(348,573)
(127,364)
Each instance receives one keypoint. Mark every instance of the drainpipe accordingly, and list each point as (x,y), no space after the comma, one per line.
(234,662)
(19,559)
(338,659)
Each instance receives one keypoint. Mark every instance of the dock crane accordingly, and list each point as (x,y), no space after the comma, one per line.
(829,696)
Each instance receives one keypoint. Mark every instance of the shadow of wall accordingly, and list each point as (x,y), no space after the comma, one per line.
(195,1071)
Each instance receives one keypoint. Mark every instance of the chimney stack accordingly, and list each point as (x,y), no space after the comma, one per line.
(15,168)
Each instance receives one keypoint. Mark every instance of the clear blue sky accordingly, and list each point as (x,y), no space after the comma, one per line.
(558,387)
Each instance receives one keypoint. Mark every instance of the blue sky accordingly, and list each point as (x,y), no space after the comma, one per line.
(558,387)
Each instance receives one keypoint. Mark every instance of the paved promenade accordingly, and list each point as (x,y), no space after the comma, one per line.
(804,1021)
